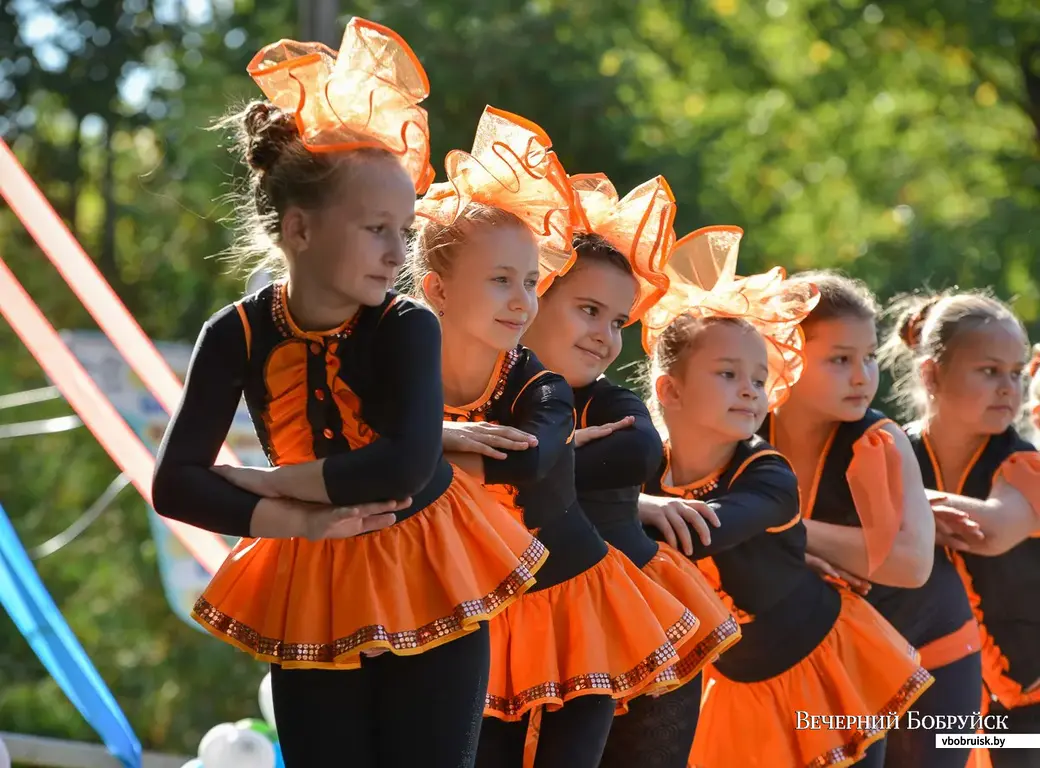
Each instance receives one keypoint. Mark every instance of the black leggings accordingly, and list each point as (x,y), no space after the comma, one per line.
(656,732)
(875,756)
(570,737)
(957,690)
(1021,720)
(394,712)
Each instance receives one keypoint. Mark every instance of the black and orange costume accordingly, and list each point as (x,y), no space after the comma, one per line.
(453,560)
(859,483)
(1000,589)
(807,647)
(421,590)
(594,629)
(593,624)
(609,472)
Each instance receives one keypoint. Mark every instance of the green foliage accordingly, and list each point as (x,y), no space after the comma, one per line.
(897,141)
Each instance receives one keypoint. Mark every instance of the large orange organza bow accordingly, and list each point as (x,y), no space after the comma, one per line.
(639,226)
(702,272)
(511,168)
(367,95)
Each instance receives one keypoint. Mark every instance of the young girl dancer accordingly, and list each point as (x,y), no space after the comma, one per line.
(721,358)
(866,509)
(622,246)
(327,361)
(595,628)
(965,354)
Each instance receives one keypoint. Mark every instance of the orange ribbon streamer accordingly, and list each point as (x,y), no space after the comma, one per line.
(97,296)
(97,413)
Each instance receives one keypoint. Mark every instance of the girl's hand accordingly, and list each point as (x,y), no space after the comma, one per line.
(288,519)
(955,527)
(258,480)
(836,575)
(346,522)
(674,518)
(486,439)
(588,434)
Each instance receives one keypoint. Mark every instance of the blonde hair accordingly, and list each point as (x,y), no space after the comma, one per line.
(282,173)
(841,296)
(434,244)
(929,327)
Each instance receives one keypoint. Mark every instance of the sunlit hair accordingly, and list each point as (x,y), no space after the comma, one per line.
(435,244)
(324,112)
(841,297)
(930,327)
(511,178)
(283,174)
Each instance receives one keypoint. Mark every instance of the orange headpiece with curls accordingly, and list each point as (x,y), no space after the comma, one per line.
(702,271)
(365,96)
(511,168)
(639,226)
(1033,366)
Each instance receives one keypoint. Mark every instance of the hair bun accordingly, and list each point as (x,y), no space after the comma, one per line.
(912,324)
(269,131)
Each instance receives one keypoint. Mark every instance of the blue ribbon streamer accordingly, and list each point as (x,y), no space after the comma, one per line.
(38,619)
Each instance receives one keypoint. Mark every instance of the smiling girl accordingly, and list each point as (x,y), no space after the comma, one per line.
(622,246)
(725,350)
(961,367)
(595,628)
(369,567)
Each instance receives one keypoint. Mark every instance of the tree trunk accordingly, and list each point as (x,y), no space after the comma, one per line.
(72,205)
(319,22)
(107,257)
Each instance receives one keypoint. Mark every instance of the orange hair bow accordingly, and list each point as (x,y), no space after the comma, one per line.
(702,271)
(365,96)
(511,168)
(639,226)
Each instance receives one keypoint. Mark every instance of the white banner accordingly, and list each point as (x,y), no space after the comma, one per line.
(988,740)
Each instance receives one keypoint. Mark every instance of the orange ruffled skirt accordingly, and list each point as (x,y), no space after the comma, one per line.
(863,667)
(405,589)
(717,631)
(607,631)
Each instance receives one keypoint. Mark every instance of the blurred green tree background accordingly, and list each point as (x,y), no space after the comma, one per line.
(897,141)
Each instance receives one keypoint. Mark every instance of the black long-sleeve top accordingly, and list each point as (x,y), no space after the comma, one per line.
(538,482)
(366,397)
(758,557)
(610,471)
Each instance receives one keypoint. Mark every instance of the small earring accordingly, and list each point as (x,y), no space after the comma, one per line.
(440,313)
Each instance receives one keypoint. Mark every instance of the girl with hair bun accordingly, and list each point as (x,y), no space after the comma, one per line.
(726,349)
(959,361)
(369,567)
